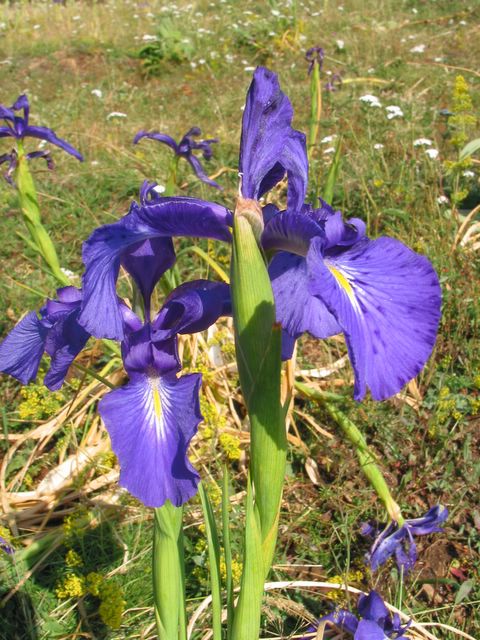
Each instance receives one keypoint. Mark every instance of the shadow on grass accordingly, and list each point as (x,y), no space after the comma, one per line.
(17,618)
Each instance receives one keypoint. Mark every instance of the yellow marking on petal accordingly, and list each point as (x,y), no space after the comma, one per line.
(343,282)
(157,404)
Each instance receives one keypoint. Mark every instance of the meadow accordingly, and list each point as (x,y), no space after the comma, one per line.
(403,104)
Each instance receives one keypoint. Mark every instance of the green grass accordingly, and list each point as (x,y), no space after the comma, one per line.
(430,451)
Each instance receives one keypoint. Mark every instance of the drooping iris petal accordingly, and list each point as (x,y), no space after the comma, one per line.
(159,137)
(151,421)
(104,250)
(386,298)
(342,618)
(43,133)
(338,233)
(192,307)
(269,146)
(147,261)
(296,309)
(22,349)
(200,172)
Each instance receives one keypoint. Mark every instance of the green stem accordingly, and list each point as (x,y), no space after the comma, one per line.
(315,108)
(171,185)
(27,196)
(168,573)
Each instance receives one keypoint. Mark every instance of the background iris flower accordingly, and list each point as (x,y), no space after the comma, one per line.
(18,127)
(398,540)
(185,148)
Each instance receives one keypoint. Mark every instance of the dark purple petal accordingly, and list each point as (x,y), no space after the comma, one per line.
(387,300)
(386,545)
(290,232)
(288,344)
(141,354)
(22,349)
(146,261)
(6,132)
(192,307)
(47,134)
(297,309)
(6,546)
(159,137)
(372,608)
(65,341)
(22,103)
(200,173)
(42,154)
(338,234)
(406,554)
(151,421)
(368,630)
(269,146)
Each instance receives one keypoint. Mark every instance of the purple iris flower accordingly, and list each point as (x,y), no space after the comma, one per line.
(328,277)
(314,55)
(56,331)
(374,622)
(398,540)
(334,83)
(18,127)
(142,243)
(185,149)
(12,160)
(152,419)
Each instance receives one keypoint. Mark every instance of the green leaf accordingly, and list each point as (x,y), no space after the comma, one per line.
(469,149)
(227,550)
(464,591)
(214,558)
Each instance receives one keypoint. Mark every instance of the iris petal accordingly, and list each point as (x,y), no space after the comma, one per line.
(269,146)
(372,607)
(368,630)
(22,349)
(151,422)
(47,134)
(387,300)
(297,309)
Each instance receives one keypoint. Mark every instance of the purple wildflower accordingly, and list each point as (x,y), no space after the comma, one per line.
(373,623)
(56,331)
(398,540)
(334,83)
(314,55)
(185,148)
(18,127)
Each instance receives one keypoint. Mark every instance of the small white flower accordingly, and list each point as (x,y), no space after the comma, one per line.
(229,58)
(42,143)
(432,153)
(275,13)
(36,26)
(193,65)
(422,142)
(378,146)
(419,48)
(94,163)
(372,101)
(340,44)
(463,23)
(148,38)
(76,17)
(249,69)
(438,59)
(329,150)
(442,200)
(97,92)
(327,139)
(67,272)
(468,174)
(393,112)
(159,188)
(414,10)
(202,61)
(116,114)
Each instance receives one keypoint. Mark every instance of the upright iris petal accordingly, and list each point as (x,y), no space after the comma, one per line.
(19,128)
(383,296)
(57,332)
(270,147)
(125,241)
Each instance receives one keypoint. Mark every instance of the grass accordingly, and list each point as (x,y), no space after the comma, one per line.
(427,439)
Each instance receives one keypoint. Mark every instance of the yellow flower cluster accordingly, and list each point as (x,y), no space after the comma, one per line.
(74,525)
(73,559)
(463,119)
(237,568)
(354,577)
(39,403)
(72,586)
(230,445)
(112,604)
